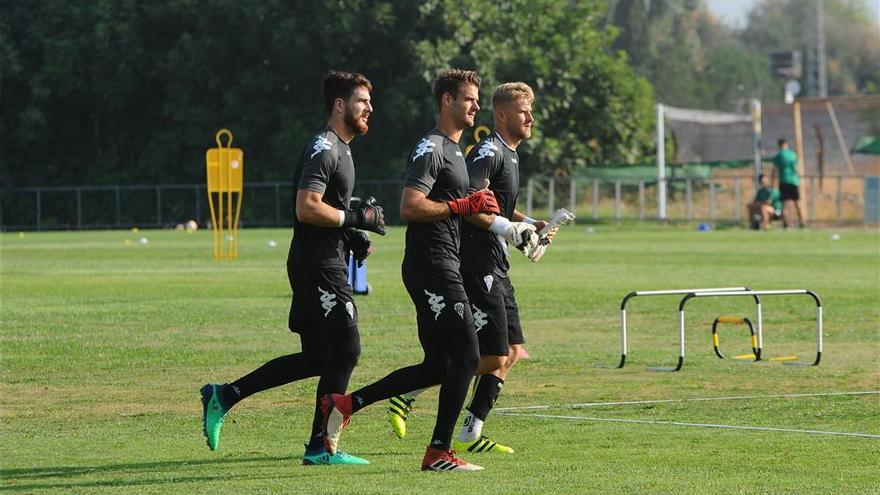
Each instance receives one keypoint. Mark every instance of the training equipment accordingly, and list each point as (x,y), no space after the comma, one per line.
(482,201)
(320,457)
(560,217)
(399,408)
(482,445)
(755,355)
(225,178)
(445,460)
(367,216)
(336,409)
(631,295)
(213,415)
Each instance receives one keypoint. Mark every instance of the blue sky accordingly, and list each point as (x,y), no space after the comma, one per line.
(734,11)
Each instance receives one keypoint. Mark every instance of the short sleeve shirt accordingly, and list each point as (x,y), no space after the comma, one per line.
(491,159)
(769,195)
(786,164)
(326,167)
(435,167)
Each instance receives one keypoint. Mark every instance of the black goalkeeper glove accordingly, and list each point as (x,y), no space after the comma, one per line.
(368,216)
(359,244)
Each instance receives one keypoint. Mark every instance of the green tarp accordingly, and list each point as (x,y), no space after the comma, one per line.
(647,172)
(868,145)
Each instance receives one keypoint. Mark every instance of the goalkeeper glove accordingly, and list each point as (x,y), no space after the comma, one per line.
(368,216)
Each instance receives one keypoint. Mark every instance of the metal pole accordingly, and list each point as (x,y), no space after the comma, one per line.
(595,199)
(617,200)
(551,195)
(39,211)
(530,196)
(689,198)
(277,205)
(712,202)
(572,192)
(811,199)
(757,137)
(837,198)
(118,206)
(820,50)
(661,165)
(737,211)
(641,200)
(79,212)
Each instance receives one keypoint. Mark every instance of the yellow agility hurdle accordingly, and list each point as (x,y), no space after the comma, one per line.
(225,177)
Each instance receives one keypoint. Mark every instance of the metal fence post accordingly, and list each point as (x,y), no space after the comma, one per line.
(712,201)
(277,205)
(595,199)
(158,206)
(617,200)
(737,211)
(551,195)
(530,196)
(79,211)
(689,198)
(572,194)
(641,200)
(39,211)
(838,200)
(811,201)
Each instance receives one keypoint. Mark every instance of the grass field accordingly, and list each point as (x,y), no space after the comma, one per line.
(104,345)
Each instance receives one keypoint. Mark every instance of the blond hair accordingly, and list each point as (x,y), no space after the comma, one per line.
(513,91)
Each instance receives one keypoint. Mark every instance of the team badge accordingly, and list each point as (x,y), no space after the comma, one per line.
(350,308)
(488,279)
(459,308)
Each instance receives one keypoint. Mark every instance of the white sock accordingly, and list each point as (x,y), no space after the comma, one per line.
(471,429)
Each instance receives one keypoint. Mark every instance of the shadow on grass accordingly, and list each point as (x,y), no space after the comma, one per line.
(27,479)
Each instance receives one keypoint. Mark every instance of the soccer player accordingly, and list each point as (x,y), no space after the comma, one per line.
(785,162)
(325,230)
(435,198)
(484,266)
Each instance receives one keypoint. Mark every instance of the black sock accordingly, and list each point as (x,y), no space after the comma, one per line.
(229,395)
(485,394)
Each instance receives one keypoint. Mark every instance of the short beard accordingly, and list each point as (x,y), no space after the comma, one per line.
(354,123)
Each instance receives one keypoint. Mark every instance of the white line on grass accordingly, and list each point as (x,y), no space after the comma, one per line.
(700,425)
(695,399)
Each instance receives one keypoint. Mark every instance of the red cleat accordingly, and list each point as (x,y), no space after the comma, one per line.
(445,460)
(336,409)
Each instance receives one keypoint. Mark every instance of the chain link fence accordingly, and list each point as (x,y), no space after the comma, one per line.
(832,200)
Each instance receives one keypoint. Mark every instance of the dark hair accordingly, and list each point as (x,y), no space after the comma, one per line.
(781,141)
(761,177)
(338,84)
(451,80)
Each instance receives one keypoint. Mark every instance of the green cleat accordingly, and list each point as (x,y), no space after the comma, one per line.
(398,408)
(320,457)
(481,445)
(213,414)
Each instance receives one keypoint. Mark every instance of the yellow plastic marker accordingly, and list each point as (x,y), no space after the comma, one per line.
(225,181)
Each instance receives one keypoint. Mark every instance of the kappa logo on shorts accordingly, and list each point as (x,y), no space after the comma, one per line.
(328,301)
(350,308)
(459,308)
(425,146)
(320,145)
(488,279)
(480,318)
(436,303)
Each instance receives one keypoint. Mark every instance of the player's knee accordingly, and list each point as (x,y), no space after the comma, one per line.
(489,364)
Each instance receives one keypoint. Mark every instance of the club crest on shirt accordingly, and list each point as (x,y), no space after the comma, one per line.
(459,309)
(425,146)
(321,144)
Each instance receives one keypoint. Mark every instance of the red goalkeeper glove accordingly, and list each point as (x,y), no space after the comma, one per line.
(482,201)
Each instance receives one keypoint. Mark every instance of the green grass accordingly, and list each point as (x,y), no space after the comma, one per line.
(104,345)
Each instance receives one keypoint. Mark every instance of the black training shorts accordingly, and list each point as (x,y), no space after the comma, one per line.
(322,298)
(440,300)
(496,314)
(788,192)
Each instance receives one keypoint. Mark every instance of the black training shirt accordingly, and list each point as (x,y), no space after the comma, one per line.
(435,167)
(325,167)
(491,159)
